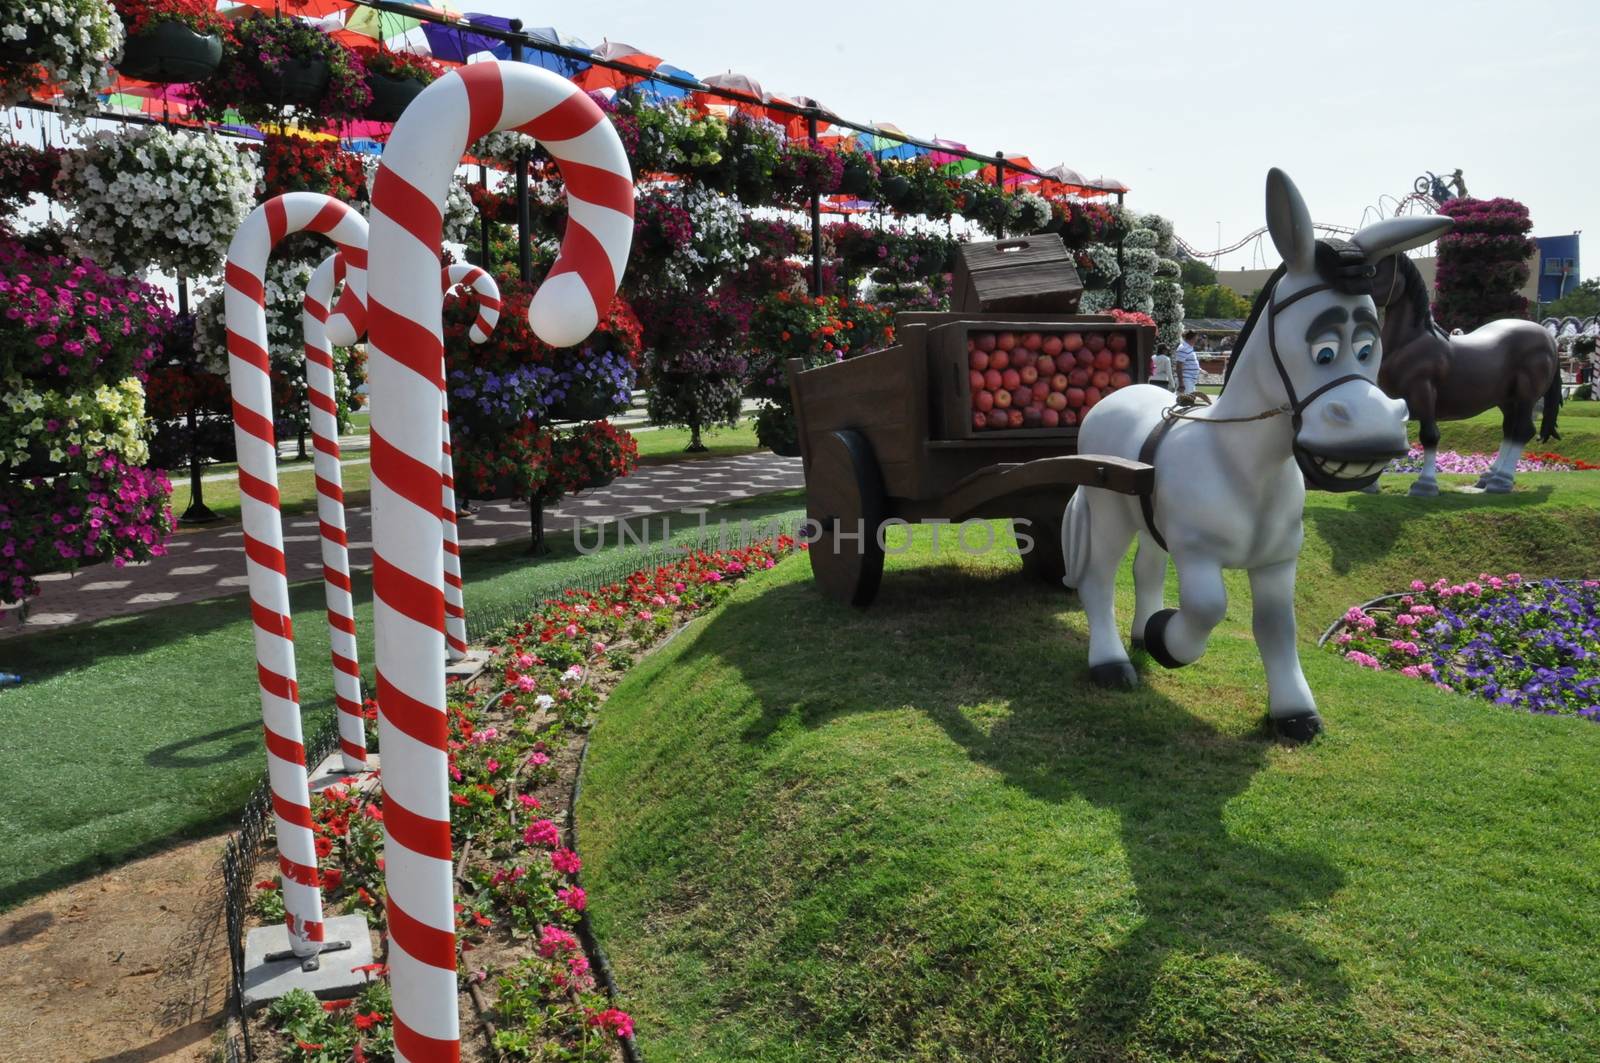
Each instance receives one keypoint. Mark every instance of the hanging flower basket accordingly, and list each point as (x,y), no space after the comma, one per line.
(171,52)
(271,63)
(294,82)
(391,96)
(14,50)
(65,47)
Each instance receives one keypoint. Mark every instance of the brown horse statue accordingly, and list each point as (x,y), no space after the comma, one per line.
(1510,364)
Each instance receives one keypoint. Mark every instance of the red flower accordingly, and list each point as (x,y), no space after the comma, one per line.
(366,1020)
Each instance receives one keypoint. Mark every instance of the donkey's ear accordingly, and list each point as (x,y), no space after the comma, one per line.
(1289,222)
(1393,235)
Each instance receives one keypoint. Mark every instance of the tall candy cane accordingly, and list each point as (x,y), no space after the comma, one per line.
(249,377)
(406,372)
(314,316)
(455,606)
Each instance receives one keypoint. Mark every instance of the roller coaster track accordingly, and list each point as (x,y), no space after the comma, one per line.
(1414,201)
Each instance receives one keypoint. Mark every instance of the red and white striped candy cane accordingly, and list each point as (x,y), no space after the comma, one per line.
(249,372)
(455,606)
(406,372)
(330,510)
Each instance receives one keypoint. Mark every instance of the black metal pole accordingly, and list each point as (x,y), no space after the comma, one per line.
(197,511)
(816,219)
(1000,183)
(524,219)
(1122,232)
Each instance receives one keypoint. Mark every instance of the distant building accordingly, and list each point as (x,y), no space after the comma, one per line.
(1557,272)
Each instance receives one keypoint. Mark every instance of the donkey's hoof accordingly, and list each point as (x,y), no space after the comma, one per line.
(1114,675)
(1301,727)
(1155,641)
(1497,486)
(1424,489)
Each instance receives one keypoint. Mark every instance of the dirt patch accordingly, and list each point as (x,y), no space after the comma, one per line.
(128,967)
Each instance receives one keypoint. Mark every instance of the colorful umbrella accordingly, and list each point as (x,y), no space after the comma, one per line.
(740,83)
(603,77)
(951,163)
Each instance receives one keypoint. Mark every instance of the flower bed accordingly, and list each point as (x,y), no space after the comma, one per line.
(1528,645)
(514,745)
(1450,461)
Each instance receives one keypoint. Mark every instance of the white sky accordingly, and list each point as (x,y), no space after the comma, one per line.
(1188,103)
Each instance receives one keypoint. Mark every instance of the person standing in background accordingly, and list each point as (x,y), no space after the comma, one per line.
(1186,365)
(1161,369)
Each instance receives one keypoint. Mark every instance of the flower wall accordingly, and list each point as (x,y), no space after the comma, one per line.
(1483,263)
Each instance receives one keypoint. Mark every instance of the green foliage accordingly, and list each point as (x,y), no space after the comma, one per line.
(1196,274)
(1582,301)
(1214,300)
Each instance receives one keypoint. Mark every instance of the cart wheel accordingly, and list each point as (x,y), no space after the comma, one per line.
(844,494)
(1045,562)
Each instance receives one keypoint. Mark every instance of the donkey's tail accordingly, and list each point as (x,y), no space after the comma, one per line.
(1552,404)
(1075,538)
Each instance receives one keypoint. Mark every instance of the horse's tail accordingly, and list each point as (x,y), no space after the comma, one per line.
(1075,538)
(1552,403)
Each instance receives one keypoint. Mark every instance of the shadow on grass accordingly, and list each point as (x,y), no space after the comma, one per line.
(1368,529)
(1167,774)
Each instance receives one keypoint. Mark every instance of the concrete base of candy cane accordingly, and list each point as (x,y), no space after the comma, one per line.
(331,771)
(332,979)
(467,668)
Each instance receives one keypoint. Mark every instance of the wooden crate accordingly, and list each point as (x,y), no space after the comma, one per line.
(950,388)
(1026,275)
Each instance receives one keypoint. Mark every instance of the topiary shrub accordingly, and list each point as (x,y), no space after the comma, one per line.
(1483,263)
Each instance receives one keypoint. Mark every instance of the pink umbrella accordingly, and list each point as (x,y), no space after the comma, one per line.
(740,83)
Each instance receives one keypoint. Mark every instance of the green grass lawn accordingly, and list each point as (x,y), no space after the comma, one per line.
(133,731)
(662,446)
(813,833)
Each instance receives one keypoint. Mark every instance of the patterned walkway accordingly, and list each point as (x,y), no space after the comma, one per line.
(209,562)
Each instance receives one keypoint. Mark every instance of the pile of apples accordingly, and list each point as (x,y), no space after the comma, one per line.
(1043,379)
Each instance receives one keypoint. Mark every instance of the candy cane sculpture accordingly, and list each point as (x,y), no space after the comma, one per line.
(406,372)
(249,372)
(336,588)
(455,606)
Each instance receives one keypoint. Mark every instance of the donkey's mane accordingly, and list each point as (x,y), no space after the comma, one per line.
(1416,292)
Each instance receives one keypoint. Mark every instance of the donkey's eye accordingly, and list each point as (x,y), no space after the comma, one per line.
(1365,349)
(1323,352)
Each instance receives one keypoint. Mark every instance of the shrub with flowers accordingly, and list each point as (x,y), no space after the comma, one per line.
(138,16)
(1450,461)
(511,766)
(1530,645)
(296,164)
(807,168)
(26,171)
(1483,263)
(594,454)
(65,46)
(257,52)
(384,61)
(150,197)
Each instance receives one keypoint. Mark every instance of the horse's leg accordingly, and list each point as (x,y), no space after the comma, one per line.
(1422,407)
(1176,637)
(1111,529)
(1518,429)
(1149,580)
(1289,703)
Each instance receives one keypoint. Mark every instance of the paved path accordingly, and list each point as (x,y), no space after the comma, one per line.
(209,562)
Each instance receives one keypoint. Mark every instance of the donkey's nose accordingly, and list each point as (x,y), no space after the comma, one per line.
(1338,413)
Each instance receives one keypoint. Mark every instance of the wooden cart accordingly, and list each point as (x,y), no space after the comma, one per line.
(888,436)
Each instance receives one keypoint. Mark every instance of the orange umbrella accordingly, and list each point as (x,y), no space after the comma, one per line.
(599,77)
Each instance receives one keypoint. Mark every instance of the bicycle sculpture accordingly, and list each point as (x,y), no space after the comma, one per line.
(1300,405)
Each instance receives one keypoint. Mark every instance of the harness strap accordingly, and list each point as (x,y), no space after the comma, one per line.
(1147,454)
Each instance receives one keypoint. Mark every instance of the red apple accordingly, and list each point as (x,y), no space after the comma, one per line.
(983,401)
(1004,341)
(1002,399)
(980,420)
(1120,361)
(1041,388)
(1085,359)
(1051,345)
(978,360)
(999,359)
(1117,341)
(985,340)
(1090,397)
(1032,417)
(1032,341)
(1069,418)
(1020,397)
(1056,400)
(1078,378)
(1095,341)
(975,380)
(1121,379)
(993,380)
(1046,365)
(1102,360)
(1074,397)
(1022,357)
(1072,341)
(1050,419)
(1028,374)
(998,419)
(1101,379)
(1011,379)
(1059,382)
(1013,418)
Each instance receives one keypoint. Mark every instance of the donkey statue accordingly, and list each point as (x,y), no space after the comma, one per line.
(1301,407)
(1507,364)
